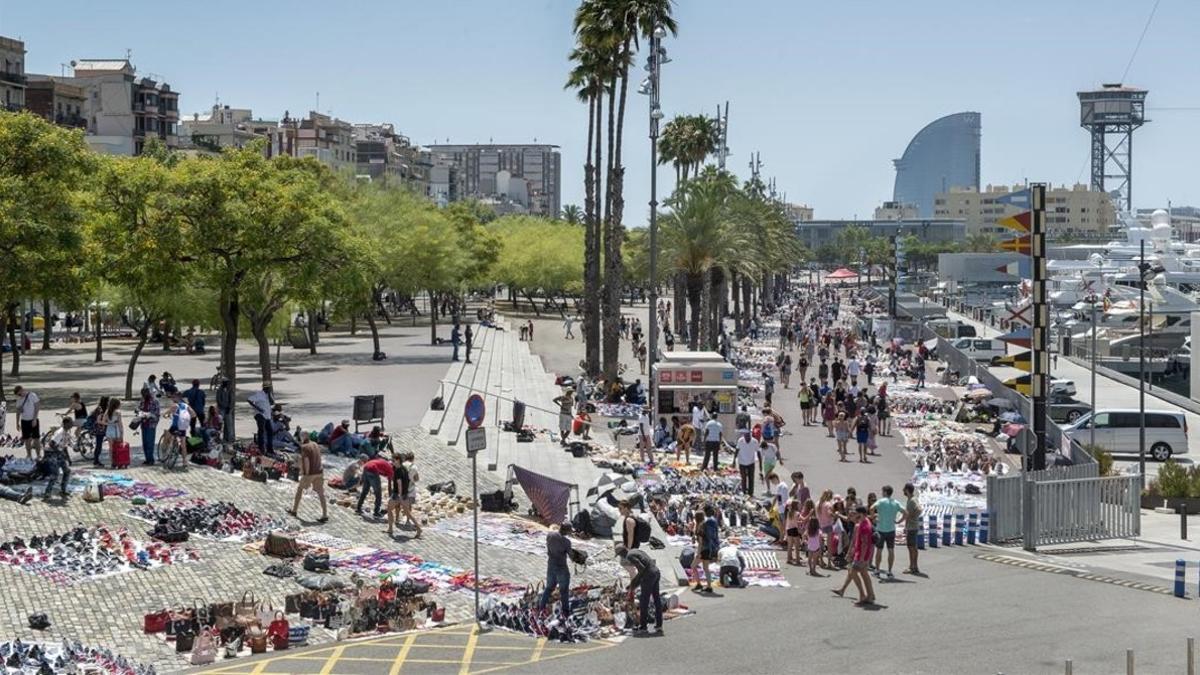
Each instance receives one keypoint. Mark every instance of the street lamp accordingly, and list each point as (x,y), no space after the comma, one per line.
(1143,274)
(1092,426)
(650,87)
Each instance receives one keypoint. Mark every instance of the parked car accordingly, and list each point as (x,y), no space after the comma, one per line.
(1024,385)
(1067,409)
(980,349)
(1117,430)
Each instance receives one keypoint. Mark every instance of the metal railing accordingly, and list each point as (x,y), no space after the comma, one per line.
(1081,509)
(1006,496)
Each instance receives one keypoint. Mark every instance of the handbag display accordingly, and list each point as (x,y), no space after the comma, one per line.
(245,611)
(156,622)
(316,562)
(184,642)
(93,492)
(204,651)
(257,638)
(278,631)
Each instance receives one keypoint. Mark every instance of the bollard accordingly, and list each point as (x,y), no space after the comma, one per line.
(983,527)
(1129,662)
(920,535)
(1070,668)
(1191,656)
(1182,511)
(1180,569)
(972,527)
(960,526)
(933,532)
(946,529)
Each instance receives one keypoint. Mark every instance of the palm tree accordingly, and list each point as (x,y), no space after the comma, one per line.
(686,141)
(617,26)
(571,212)
(981,242)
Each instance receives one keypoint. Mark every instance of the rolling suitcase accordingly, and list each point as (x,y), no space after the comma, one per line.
(120,454)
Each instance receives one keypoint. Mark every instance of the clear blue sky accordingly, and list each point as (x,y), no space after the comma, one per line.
(829,92)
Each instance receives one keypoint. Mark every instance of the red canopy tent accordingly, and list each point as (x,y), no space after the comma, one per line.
(841,274)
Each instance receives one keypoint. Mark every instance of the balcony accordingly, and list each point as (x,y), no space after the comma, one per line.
(12,107)
(12,78)
(70,121)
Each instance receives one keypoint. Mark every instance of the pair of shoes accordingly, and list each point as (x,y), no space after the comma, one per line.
(323,519)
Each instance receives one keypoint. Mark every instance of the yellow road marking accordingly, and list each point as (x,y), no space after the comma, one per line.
(403,654)
(547,658)
(332,659)
(537,651)
(260,666)
(469,652)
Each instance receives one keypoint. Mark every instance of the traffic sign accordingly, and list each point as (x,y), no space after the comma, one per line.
(474,411)
(476,440)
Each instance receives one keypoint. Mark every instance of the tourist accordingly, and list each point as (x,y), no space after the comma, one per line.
(399,486)
(825,520)
(885,511)
(768,388)
(565,402)
(746,449)
(823,371)
(558,573)
(829,412)
(529,329)
(780,493)
(260,401)
(802,368)
(792,522)
(57,462)
(812,537)
(712,443)
(151,384)
(181,419)
(742,420)
(469,336)
(912,524)
(785,370)
(853,368)
(869,369)
(862,434)
(640,353)
(883,411)
(861,546)
(684,440)
(732,565)
(29,407)
(645,578)
(99,422)
(645,441)
(195,398)
(628,524)
(312,476)
(78,413)
(374,472)
(148,414)
(805,396)
(841,434)
(167,384)
(710,540)
(455,340)
(768,457)
(409,499)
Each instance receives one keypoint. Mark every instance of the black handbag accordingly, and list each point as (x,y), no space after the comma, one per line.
(316,562)
(184,642)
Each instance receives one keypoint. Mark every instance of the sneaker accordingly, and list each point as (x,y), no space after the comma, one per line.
(323,519)
(891,576)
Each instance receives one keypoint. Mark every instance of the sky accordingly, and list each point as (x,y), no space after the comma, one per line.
(828,92)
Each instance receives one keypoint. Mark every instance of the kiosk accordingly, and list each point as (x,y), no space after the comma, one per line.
(682,377)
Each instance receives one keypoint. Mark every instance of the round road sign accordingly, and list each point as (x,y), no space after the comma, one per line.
(474,411)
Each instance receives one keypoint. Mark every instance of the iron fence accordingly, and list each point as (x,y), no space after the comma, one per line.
(1080,509)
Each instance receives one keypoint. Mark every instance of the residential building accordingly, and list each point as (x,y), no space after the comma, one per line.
(329,139)
(384,155)
(817,233)
(800,213)
(225,127)
(1071,213)
(529,175)
(56,99)
(896,211)
(942,156)
(123,110)
(12,78)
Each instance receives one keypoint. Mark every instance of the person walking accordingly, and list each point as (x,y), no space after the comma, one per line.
(746,449)
(407,479)
(712,443)
(568,324)
(885,511)
(861,545)
(558,573)
(862,434)
(470,338)
(912,524)
(312,476)
(841,434)
(710,544)
(645,579)
(374,473)
(29,407)
(148,414)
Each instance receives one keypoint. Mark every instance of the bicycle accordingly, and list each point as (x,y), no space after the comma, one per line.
(169,454)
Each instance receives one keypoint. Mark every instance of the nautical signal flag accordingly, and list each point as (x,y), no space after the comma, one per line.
(1019,244)
(1017,268)
(1019,198)
(1019,222)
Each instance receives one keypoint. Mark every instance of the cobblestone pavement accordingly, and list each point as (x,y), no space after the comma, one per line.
(109,611)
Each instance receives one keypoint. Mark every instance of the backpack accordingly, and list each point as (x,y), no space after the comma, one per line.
(182,419)
(582,522)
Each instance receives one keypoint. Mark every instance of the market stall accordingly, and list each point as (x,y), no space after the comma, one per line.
(682,377)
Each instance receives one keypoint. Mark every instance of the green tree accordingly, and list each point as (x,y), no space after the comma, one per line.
(686,141)
(42,167)
(981,242)
(540,257)
(572,214)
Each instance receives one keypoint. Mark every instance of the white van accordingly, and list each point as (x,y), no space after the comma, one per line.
(980,349)
(1117,432)
(951,329)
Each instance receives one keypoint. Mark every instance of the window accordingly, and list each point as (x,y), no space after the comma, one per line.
(1162,420)
(1101,421)
(1124,420)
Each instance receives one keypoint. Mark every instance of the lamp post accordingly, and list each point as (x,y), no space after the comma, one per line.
(650,88)
(1143,268)
(1092,352)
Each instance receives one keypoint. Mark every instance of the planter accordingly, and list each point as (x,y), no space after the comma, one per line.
(1156,501)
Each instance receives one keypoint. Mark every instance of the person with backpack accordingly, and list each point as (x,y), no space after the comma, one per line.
(182,416)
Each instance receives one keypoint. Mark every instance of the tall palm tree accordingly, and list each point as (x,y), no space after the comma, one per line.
(686,141)
(617,25)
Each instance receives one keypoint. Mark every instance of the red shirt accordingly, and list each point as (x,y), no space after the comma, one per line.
(381,467)
(863,542)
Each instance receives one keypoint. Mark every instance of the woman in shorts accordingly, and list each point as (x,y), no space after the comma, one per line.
(841,433)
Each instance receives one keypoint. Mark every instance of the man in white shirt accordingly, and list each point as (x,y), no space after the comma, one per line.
(29,406)
(732,565)
(260,402)
(853,369)
(712,443)
(645,447)
(747,452)
(698,418)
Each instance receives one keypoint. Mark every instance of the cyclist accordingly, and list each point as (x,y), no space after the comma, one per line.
(181,419)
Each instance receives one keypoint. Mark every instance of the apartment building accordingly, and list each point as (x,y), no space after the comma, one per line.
(123,110)
(224,127)
(56,99)
(382,154)
(525,175)
(1074,212)
(896,211)
(12,78)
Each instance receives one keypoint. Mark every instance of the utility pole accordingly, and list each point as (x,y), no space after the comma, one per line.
(723,135)
(651,87)
(1041,321)
(1143,269)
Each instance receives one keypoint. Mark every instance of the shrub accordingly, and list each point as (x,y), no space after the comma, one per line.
(1103,458)
(1174,480)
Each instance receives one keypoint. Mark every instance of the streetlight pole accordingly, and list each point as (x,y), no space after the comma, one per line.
(654,62)
(1092,426)
(1141,359)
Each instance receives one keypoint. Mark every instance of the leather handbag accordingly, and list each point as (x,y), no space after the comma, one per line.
(184,642)
(204,651)
(291,603)
(257,639)
(280,545)
(156,622)
(245,611)
(316,562)
(278,631)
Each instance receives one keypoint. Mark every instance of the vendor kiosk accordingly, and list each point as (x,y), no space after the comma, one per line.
(682,377)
